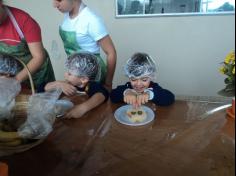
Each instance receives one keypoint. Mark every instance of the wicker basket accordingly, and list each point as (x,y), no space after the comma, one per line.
(20,115)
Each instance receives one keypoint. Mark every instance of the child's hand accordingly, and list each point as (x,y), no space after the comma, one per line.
(142,99)
(77,112)
(130,97)
(68,89)
(135,99)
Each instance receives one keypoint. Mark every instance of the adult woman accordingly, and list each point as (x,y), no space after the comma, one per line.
(20,36)
(82,30)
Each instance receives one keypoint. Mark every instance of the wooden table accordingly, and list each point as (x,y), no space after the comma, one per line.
(186,138)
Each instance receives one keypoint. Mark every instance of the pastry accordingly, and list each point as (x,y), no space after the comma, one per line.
(136,115)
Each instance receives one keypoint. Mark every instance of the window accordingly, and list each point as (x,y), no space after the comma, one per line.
(173,7)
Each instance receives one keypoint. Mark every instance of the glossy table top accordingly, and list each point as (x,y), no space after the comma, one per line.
(187,138)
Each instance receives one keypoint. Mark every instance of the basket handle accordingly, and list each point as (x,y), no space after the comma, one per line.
(29,74)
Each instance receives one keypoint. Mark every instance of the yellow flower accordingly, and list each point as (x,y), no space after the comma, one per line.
(222,70)
(228,69)
(230,58)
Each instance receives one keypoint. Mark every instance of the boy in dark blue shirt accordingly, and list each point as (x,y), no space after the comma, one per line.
(83,71)
(141,70)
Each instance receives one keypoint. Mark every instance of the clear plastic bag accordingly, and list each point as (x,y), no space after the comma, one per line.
(62,106)
(9,89)
(40,115)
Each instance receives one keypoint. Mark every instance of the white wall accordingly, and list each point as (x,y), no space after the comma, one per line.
(188,50)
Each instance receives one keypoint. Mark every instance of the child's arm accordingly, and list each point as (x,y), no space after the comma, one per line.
(97,93)
(162,97)
(81,109)
(67,88)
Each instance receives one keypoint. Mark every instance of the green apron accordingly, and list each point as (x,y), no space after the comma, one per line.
(71,46)
(21,51)
(43,75)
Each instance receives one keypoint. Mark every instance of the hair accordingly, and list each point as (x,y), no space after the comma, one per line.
(140,65)
(84,64)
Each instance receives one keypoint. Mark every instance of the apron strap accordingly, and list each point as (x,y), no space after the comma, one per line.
(13,20)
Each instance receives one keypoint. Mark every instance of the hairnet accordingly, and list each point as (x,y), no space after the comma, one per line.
(9,65)
(140,65)
(84,64)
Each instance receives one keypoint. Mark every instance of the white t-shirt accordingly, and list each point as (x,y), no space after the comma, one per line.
(89,29)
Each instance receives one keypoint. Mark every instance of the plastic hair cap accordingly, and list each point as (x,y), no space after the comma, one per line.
(140,65)
(9,65)
(84,64)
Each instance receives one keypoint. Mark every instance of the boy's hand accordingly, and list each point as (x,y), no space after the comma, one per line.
(77,112)
(130,97)
(142,99)
(135,99)
(68,89)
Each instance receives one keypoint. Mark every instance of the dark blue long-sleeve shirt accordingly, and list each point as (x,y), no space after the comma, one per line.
(162,97)
(93,88)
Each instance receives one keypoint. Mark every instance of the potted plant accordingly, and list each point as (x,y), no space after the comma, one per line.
(228,69)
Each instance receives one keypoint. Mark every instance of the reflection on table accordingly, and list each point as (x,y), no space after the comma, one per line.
(186,138)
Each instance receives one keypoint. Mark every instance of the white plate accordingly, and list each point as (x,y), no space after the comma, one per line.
(62,106)
(121,116)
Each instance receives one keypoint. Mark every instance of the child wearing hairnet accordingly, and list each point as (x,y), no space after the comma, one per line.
(83,71)
(140,89)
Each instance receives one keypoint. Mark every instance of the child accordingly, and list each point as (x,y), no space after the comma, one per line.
(83,71)
(82,30)
(141,70)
